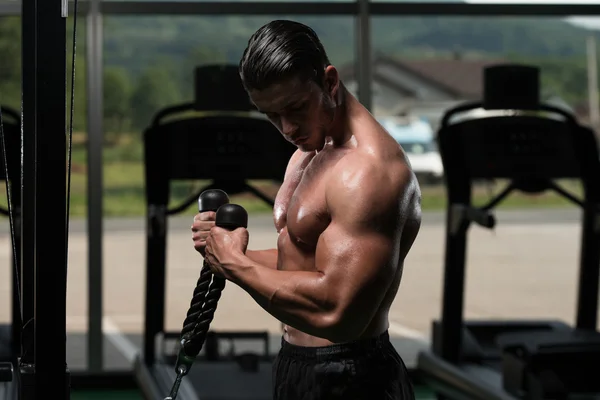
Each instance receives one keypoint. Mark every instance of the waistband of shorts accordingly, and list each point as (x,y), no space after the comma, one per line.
(354,349)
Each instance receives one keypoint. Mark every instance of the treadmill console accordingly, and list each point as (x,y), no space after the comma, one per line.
(511,148)
(219,148)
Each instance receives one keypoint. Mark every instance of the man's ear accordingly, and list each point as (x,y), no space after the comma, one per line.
(331,82)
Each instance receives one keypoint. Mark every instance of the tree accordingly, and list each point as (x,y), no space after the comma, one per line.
(117,99)
(155,89)
(10,66)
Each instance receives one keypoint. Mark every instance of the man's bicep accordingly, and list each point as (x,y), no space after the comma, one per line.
(356,262)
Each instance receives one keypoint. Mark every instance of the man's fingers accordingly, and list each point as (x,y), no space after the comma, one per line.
(203,222)
(200,226)
(205,216)
(200,235)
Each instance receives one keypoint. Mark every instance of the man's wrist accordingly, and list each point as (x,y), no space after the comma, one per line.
(240,263)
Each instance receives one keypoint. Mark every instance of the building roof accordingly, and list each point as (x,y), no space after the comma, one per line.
(462,78)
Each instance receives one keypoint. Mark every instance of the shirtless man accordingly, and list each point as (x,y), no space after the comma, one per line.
(347,214)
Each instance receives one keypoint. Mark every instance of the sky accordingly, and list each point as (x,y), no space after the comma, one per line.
(588,22)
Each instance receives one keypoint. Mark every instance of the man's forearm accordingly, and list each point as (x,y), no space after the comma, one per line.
(296,298)
(268,258)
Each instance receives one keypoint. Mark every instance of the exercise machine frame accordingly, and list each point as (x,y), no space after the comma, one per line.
(42,368)
(531,148)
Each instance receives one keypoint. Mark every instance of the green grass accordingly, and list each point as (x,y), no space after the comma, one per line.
(123,177)
(434,197)
(106,394)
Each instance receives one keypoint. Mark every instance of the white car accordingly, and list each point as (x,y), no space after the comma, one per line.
(417,139)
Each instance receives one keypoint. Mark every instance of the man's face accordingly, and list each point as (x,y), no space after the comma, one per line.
(302,111)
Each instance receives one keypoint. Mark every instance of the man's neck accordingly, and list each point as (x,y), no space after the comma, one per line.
(338,129)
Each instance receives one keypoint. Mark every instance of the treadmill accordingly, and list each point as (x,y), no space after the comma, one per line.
(511,135)
(10,334)
(215,138)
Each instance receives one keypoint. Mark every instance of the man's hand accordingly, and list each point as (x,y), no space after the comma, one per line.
(203,222)
(225,248)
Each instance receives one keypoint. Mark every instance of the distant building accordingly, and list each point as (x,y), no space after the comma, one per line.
(423,87)
(426,88)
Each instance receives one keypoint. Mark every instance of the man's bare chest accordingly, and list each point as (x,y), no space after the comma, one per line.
(301,208)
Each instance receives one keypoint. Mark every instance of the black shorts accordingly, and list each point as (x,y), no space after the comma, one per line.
(369,369)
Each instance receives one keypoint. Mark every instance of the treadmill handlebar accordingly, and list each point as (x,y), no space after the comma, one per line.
(474,105)
(461,213)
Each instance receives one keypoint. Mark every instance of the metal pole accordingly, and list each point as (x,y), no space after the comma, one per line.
(94,49)
(50,374)
(364,77)
(28,126)
(385,8)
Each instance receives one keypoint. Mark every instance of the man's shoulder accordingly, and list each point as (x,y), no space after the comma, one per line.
(363,178)
(367,168)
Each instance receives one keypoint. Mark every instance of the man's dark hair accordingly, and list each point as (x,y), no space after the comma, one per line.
(282,50)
